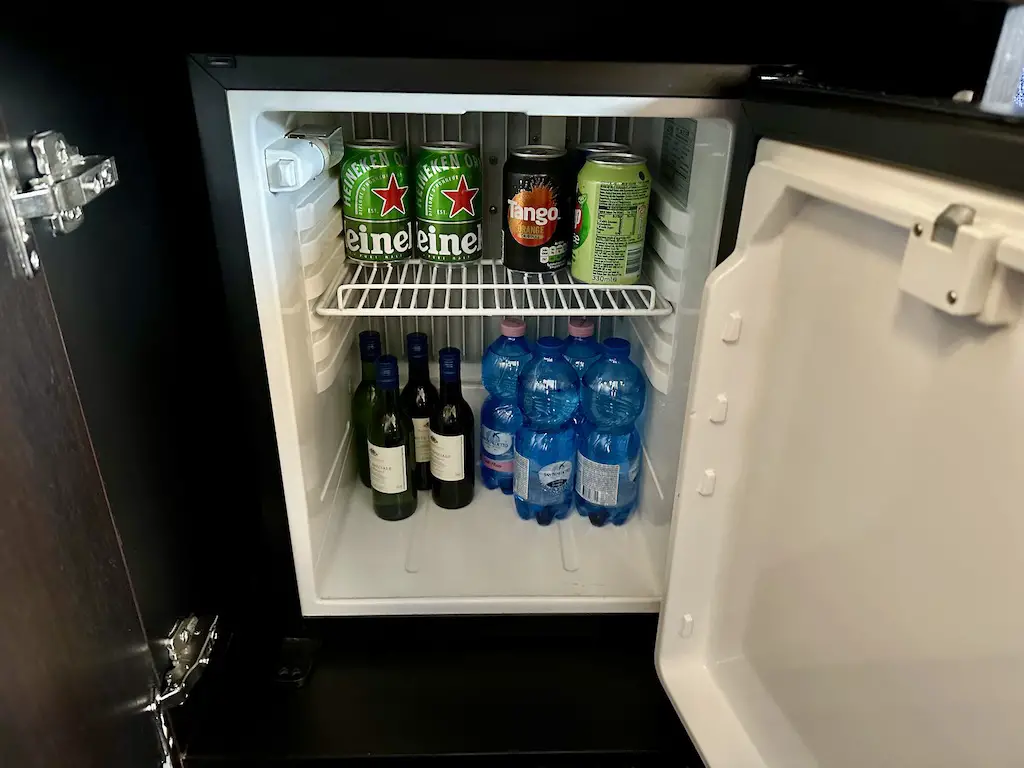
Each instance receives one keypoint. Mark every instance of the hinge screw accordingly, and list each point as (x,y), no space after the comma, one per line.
(951,297)
(493,159)
(918,230)
(493,209)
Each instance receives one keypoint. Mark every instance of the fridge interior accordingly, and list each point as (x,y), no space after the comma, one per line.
(311,304)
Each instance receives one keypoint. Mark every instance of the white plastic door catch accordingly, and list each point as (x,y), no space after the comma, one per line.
(951,263)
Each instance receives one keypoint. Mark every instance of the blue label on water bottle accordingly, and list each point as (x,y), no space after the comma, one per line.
(554,476)
(494,442)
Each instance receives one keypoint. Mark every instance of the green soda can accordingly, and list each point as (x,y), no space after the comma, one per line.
(613,194)
(449,203)
(374,195)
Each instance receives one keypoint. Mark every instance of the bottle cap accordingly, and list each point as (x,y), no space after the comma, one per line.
(513,326)
(550,344)
(387,372)
(449,362)
(581,327)
(613,345)
(369,346)
(416,347)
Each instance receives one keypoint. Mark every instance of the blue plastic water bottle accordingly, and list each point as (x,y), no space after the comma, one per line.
(582,351)
(500,416)
(545,445)
(608,459)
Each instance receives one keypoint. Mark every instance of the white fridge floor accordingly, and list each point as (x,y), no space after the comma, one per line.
(485,553)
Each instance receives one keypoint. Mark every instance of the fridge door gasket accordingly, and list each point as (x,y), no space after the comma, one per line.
(844,568)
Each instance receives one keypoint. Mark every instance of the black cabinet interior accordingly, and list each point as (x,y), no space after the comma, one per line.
(545,690)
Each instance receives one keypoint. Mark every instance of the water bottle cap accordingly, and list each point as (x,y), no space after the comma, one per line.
(513,326)
(387,372)
(613,345)
(369,346)
(581,327)
(550,344)
(416,346)
(449,362)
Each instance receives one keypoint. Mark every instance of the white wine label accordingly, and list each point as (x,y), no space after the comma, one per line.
(521,479)
(421,430)
(447,460)
(597,483)
(387,469)
(555,475)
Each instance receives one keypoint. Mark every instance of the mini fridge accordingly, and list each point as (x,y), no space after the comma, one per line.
(828,320)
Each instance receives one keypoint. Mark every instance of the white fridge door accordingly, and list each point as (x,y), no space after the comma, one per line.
(846,576)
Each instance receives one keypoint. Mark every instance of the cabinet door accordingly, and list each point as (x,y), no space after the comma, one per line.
(847,552)
(73,657)
(77,669)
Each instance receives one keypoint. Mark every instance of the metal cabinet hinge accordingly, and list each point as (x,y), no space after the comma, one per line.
(165,736)
(189,647)
(63,183)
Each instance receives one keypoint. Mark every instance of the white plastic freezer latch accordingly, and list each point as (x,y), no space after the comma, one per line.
(951,263)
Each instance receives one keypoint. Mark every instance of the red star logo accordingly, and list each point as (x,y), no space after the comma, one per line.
(461,197)
(392,195)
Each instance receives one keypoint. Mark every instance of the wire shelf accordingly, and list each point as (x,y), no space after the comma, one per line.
(418,288)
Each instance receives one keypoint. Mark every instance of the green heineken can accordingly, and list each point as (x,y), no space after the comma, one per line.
(449,203)
(613,193)
(374,187)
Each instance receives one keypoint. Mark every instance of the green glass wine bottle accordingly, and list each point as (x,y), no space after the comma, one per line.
(391,448)
(419,401)
(452,460)
(364,399)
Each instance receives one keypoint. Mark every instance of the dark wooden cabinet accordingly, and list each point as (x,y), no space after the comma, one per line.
(140,481)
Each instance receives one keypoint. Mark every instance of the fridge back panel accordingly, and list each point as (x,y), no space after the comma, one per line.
(845,570)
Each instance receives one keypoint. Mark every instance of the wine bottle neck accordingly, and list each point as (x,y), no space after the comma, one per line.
(419,371)
(450,390)
(369,370)
(389,399)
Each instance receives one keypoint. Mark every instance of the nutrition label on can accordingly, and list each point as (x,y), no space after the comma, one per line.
(621,224)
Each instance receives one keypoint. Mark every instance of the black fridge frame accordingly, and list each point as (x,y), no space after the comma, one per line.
(940,138)
(946,139)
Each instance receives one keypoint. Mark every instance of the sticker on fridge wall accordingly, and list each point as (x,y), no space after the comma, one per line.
(387,468)
(421,432)
(677,156)
(447,461)
(597,483)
